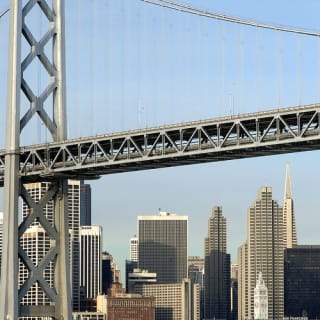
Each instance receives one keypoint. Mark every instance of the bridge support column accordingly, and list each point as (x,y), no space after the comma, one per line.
(62,268)
(53,230)
(9,304)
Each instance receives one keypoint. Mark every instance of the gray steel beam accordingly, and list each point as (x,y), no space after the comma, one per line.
(9,303)
(243,136)
(12,292)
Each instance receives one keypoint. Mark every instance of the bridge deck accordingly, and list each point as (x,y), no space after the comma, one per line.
(250,135)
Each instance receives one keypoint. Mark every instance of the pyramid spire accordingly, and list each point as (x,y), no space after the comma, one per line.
(290,233)
(287,186)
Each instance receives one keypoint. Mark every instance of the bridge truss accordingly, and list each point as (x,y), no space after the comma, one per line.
(257,134)
(243,136)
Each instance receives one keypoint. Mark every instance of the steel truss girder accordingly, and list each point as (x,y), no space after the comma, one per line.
(58,292)
(257,134)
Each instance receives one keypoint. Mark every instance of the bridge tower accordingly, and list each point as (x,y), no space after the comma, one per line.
(12,293)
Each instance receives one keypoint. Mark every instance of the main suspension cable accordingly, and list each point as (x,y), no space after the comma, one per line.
(188,9)
(4,13)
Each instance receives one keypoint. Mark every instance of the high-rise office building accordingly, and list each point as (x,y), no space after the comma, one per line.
(134,249)
(163,241)
(302,281)
(264,252)
(234,291)
(107,273)
(85,204)
(217,268)
(243,303)
(36,242)
(290,233)
(90,265)
(196,275)
(74,209)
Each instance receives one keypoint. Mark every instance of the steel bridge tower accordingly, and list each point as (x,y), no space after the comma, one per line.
(12,292)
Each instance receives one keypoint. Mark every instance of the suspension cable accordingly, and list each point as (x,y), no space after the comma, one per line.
(4,12)
(188,9)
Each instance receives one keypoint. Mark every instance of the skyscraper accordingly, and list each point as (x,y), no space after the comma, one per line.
(234,271)
(163,243)
(36,242)
(243,309)
(85,204)
(265,252)
(90,264)
(302,281)
(290,233)
(134,249)
(217,268)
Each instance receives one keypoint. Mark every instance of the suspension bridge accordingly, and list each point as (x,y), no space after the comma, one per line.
(234,136)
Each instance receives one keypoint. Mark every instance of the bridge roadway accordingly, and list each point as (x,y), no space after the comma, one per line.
(250,135)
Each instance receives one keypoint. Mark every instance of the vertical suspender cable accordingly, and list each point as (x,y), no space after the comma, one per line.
(221,73)
(103,71)
(259,75)
(279,68)
(299,69)
(91,64)
(145,107)
(78,106)
(204,35)
(122,58)
(154,79)
(140,77)
(241,88)
(129,106)
(109,71)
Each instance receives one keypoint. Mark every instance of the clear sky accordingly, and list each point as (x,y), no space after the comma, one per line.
(133,65)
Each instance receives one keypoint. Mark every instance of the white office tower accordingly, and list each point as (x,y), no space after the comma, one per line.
(290,233)
(263,252)
(134,249)
(260,300)
(36,242)
(90,262)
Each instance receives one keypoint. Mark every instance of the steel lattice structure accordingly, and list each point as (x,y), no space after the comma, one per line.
(251,135)
(13,292)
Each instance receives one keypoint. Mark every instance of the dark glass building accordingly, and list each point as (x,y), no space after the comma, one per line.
(217,301)
(302,281)
(163,243)
(107,273)
(85,204)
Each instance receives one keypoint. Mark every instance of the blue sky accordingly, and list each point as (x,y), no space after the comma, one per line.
(132,65)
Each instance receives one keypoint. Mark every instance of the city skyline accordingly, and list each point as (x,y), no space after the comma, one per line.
(235,208)
(231,184)
(147,66)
